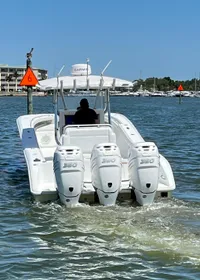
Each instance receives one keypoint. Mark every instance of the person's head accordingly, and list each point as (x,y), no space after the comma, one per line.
(84,103)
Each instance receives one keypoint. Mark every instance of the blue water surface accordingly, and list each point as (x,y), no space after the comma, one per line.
(48,241)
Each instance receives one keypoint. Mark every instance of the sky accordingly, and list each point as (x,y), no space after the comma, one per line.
(143,38)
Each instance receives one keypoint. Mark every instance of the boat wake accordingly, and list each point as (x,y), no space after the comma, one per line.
(159,232)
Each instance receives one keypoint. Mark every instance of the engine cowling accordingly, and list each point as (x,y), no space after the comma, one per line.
(69,172)
(144,171)
(106,169)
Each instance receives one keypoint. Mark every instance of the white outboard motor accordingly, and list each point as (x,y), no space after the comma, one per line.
(69,173)
(144,171)
(106,169)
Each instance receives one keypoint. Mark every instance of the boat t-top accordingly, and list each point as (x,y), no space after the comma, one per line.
(105,162)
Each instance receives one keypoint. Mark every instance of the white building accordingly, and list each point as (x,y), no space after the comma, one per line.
(10,76)
(81,79)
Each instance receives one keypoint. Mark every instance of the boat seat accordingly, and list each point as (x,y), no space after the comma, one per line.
(86,137)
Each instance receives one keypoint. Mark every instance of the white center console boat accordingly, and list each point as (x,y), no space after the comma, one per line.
(101,163)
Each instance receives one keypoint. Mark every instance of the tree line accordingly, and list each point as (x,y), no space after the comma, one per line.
(167,84)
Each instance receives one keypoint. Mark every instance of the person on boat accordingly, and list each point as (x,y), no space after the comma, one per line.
(84,114)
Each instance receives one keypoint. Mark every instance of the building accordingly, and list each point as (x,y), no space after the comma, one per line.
(81,79)
(10,76)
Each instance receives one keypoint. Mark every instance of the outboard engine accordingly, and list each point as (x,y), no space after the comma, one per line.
(144,171)
(106,172)
(69,173)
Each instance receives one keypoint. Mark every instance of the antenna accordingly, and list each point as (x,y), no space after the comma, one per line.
(58,75)
(106,67)
(101,81)
(87,81)
(87,60)
(56,104)
(60,71)
(61,92)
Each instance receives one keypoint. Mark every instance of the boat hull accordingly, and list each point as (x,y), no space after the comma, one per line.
(39,145)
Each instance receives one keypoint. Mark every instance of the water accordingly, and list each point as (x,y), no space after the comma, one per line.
(48,241)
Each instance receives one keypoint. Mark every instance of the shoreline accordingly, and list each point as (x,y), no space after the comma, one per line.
(21,94)
(132,94)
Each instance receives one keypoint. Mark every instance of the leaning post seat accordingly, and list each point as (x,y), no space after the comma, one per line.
(87,136)
(66,117)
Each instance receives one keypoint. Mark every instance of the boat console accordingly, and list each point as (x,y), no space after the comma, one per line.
(66,117)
